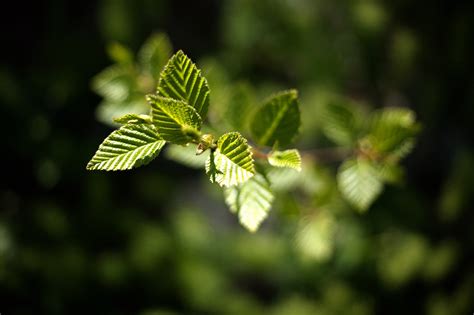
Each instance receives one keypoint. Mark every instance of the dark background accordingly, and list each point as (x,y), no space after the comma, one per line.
(141,242)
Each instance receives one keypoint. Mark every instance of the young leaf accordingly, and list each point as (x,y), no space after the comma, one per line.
(339,123)
(120,53)
(232,162)
(176,121)
(277,120)
(182,80)
(211,168)
(359,183)
(391,131)
(239,106)
(115,83)
(133,119)
(287,158)
(130,146)
(316,236)
(108,109)
(186,155)
(251,201)
(390,173)
(154,54)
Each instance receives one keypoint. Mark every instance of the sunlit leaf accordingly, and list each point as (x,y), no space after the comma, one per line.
(232,162)
(251,201)
(359,183)
(278,120)
(287,158)
(182,80)
(130,146)
(176,121)
(133,119)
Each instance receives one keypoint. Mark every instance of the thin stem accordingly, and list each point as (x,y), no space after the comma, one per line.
(259,154)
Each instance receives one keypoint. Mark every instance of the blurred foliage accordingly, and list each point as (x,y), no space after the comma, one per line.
(131,243)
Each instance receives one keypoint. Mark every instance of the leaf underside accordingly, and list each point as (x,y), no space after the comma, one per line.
(182,80)
(251,201)
(130,146)
(278,120)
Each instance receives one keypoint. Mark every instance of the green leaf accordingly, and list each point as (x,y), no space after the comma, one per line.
(187,155)
(107,109)
(176,121)
(120,53)
(392,131)
(340,123)
(115,83)
(316,236)
(251,201)
(239,106)
(278,120)
(232,162)
(287,158)
(130,146)
(284,179)
(359,183)
(211,168)
(182,80)
(390,173)
(133,119)
(154,54)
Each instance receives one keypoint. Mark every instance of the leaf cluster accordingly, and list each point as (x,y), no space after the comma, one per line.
(177,115)
(376,141)
(244,145)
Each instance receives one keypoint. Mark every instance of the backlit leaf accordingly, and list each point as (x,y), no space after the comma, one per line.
(251,201)
(359,183)
(176,121)
(232,161)
(133,119)
(182,80)
(132,145)
(287,158)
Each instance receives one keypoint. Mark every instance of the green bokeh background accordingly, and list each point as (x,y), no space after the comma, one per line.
(159,240)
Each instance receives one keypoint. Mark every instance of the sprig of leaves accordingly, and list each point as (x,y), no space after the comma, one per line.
(378,144)
(177,113)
